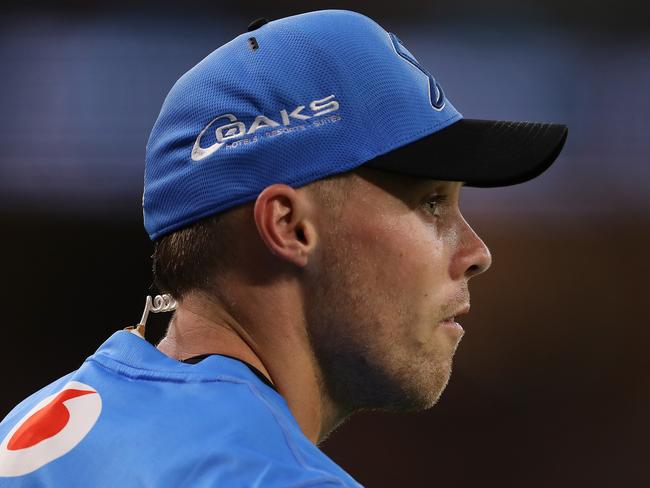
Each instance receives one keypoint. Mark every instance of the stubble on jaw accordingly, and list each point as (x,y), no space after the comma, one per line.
(360,364)
(356,329)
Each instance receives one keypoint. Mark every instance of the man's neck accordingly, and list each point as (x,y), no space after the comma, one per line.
(271,341)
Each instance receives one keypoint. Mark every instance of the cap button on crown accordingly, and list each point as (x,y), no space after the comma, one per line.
(257,23)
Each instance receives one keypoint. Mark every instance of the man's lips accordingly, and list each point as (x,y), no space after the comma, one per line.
(459,312)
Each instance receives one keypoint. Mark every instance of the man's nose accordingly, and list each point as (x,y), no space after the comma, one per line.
(474,256)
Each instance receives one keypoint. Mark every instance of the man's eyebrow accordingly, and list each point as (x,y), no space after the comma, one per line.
(427,186)
(436,184)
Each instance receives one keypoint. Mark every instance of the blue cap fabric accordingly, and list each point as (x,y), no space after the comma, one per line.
(295,100)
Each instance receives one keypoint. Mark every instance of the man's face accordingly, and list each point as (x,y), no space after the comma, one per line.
(391,267)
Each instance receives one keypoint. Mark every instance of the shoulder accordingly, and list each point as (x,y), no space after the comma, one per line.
(162,424)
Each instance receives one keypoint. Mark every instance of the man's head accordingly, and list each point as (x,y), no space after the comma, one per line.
(315,150)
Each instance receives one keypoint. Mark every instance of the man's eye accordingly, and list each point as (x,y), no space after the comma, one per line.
(434,203)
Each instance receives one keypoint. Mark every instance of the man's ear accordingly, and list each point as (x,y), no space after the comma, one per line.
(283,217)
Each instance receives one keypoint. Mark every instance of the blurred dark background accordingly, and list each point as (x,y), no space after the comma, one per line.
(550,386)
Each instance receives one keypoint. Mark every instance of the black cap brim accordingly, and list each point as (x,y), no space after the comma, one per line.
(482,153)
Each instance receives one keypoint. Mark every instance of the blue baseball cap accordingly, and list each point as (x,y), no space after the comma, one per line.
(305,97)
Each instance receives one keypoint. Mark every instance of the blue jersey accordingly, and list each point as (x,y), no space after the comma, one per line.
(131,416)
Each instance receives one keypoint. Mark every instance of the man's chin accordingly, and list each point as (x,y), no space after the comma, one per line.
(427,396)
(419,397)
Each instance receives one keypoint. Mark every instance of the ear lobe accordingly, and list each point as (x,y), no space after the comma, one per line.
(282,218)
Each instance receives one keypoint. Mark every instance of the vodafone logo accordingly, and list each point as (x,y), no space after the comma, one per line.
(50,429)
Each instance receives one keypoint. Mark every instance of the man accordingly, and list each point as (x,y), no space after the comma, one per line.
(301,187)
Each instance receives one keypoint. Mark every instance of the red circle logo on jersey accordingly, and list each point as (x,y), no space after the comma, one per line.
(50,429)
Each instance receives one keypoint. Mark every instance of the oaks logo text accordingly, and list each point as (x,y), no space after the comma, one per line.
(50,429)
(231,132)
